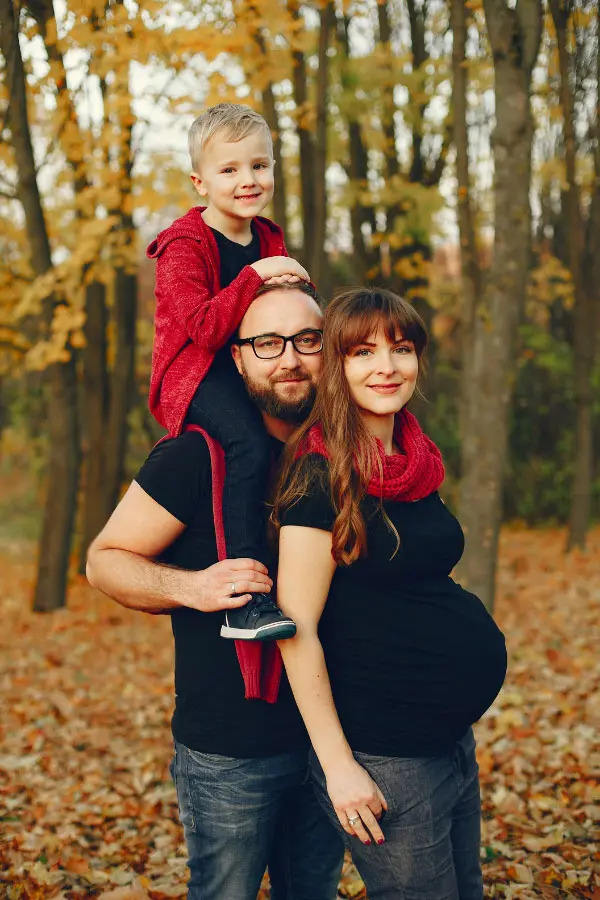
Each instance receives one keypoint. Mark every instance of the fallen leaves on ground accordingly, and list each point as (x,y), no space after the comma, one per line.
(87,807)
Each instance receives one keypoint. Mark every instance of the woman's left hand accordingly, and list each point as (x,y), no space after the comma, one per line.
(357,800)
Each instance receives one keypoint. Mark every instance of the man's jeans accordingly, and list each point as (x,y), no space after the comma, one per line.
(431,827)
(241,815)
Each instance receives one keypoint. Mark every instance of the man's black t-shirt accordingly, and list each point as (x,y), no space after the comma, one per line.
(234,256)
(211,714)
(413,659)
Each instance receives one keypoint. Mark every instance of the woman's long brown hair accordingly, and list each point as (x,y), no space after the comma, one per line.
(349,321)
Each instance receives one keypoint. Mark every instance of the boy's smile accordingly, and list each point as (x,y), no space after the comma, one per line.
(236,178)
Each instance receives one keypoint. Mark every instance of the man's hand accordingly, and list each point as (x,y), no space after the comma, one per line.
(211,589)
(278,267)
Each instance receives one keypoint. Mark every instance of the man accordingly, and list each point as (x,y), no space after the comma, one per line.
(240,766)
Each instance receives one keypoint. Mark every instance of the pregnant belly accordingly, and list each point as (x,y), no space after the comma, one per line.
(436,653)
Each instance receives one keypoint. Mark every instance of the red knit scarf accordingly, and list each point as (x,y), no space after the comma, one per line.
(412,474)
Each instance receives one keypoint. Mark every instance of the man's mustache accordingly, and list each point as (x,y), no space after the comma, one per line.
(291,375)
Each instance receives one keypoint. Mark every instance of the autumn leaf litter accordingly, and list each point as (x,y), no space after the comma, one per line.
(87,807)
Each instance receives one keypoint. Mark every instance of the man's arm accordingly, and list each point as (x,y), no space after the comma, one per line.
(121,563)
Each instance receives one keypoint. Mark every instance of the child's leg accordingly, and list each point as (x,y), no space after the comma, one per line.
(222,406)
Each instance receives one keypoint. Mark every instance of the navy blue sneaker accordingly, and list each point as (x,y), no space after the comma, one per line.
(259,620)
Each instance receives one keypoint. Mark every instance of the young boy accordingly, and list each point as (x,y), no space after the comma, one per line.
(210,263)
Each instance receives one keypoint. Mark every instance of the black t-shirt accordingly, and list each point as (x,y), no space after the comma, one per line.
(211,714)
(413,659)
(233,256)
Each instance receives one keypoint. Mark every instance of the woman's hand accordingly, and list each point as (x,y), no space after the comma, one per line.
(357,801)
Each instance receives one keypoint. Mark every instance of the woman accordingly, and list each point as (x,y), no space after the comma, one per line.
(392,661)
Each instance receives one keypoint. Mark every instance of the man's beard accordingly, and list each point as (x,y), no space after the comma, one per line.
(270,402)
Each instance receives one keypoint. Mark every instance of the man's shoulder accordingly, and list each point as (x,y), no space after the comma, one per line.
(177,474)
(188,449)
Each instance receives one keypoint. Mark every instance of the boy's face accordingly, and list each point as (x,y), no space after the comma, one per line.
(236,177)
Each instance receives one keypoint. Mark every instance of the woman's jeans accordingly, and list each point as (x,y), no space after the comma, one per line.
(241,816)
(432,826)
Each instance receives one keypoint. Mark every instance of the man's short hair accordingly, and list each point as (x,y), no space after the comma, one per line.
(234,119)
(305,287)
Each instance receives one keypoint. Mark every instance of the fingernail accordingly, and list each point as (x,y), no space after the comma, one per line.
(366,843)
(381,841)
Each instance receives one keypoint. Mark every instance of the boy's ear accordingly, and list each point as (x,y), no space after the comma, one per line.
(198,184)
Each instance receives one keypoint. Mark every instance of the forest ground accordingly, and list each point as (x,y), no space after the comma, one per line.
(87,808)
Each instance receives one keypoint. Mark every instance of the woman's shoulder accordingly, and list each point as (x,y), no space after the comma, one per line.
(312,506)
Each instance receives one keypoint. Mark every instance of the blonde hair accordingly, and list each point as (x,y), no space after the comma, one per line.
(235,120)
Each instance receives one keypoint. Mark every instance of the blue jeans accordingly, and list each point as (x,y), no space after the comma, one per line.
(241,816)
(432,826)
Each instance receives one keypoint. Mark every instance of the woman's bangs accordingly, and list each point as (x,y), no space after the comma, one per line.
(359,325)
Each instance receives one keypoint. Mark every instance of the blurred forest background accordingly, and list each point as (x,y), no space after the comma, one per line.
(447,149)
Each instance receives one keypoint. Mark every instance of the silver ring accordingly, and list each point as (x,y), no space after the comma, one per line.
(233,587)
(353,819)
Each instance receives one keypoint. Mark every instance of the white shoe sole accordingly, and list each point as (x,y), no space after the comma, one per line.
(264,633)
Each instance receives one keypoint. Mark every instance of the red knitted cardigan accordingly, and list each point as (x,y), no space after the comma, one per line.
(194,318)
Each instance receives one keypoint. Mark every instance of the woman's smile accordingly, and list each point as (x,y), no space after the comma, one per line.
(385,388)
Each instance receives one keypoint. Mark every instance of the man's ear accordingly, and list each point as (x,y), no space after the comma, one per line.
(237,357)
(198,184)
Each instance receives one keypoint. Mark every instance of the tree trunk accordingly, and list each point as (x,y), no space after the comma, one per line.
(307,154)
(95,406)
(389,105)
(121,381)
(581,496)
(124,312)
(319,227)
(280,195)
(514,37)
(470,273)
(357,168)
(63,460)
(253,23)
(94,357)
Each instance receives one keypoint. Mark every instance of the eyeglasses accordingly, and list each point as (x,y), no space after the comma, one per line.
(270,346)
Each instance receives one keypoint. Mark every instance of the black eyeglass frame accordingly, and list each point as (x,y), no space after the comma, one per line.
(240,342)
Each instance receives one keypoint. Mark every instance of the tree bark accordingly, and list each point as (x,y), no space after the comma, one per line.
(319,227)
(270,113)
(581,495)
(63,459)
(389,105)
(357,168)
(514,35)
(470,273)
(121,381)
(307,154)
(124,303)
(280,194)
(95,405)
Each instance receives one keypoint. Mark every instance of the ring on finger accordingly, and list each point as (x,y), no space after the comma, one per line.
(352,820)
(233,587)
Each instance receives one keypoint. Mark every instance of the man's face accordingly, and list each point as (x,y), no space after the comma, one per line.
(283,388)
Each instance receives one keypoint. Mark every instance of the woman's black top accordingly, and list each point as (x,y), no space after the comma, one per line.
(413,659)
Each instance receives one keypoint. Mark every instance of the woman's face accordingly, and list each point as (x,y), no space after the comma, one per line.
(382,376)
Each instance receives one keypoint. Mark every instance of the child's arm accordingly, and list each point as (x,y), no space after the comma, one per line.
(211,319)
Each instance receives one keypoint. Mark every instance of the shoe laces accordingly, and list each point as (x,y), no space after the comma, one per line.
(261,602)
